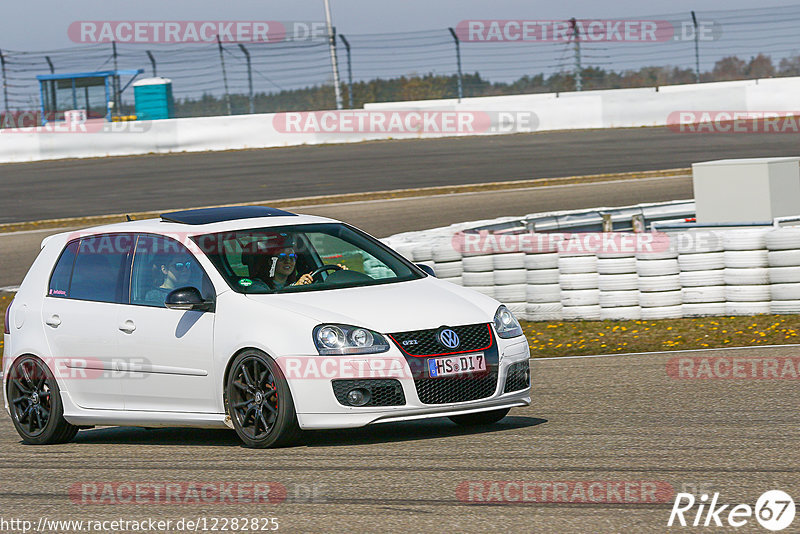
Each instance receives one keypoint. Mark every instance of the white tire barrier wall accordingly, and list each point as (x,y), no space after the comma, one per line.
(659,285)
(783,260)
(704,273)
(543,292)
(579,281)
(620,303)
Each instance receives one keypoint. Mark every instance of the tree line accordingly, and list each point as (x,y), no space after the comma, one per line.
(431,86)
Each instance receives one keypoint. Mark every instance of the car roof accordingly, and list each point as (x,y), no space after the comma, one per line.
(204,221)
(221,214)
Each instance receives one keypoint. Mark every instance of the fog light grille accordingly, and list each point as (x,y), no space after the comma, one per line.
(383,392)
(518,377)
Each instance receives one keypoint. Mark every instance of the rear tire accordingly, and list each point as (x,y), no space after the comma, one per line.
(260,403)
(480,418)
(35,403)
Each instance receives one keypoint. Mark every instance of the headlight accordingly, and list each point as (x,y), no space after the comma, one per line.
(506,324)
(343,339)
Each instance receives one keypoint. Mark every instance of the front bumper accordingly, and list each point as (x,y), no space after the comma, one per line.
(317,407)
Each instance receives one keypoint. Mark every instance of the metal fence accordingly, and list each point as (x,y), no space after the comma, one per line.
(254,74)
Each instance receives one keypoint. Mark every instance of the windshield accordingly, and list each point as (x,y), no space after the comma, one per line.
(303,258)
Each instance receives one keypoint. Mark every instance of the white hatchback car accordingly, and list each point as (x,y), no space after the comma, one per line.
(251,318)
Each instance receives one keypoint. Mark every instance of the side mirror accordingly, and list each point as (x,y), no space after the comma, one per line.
(427,268)
(188,298)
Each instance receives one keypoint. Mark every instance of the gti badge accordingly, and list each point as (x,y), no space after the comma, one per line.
(449,338)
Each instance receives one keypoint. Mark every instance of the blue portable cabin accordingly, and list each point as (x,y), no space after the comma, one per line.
(92,91)
(154,99)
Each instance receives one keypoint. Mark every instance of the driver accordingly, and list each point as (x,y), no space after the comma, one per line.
(283,270)
(274,265)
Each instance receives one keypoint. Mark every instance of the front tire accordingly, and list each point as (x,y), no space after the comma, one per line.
(259,402)
(480,418)
(35,402)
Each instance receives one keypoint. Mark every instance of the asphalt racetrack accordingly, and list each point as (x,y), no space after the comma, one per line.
(616,420)
(386,217)
(77,188)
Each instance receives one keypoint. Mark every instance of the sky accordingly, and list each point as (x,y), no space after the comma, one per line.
(34,31)
(42,24)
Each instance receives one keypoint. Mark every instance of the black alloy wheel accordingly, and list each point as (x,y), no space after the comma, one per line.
(259,402)
(35,403)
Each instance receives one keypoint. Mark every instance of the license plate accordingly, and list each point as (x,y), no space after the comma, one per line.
(456,365)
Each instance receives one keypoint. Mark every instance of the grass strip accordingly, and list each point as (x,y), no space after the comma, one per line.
(554,339)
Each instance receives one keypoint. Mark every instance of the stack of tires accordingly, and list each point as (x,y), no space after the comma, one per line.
(659,284)
(784,269)
(747,289)
(423,254)
(478,272)
(447,262)
(619,295)
(579,281)
(406,250)
(702,273)
(543,291)
(510,282)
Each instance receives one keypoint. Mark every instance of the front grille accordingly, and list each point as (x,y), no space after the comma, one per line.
(383,392)
(518,377)
(456,389)
(473,337)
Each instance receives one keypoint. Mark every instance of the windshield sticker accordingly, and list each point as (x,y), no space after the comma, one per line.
(245,282)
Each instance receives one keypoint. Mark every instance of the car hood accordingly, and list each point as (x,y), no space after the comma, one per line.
(399,307)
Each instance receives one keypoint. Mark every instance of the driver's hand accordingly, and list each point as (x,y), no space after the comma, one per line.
(343,267)
(304,280)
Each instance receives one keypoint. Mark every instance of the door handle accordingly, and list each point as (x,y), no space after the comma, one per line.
(128,327)
(53,321)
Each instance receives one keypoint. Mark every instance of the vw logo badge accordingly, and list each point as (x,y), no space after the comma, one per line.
(449,338)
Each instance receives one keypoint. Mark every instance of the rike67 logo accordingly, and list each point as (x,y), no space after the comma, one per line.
(774,511)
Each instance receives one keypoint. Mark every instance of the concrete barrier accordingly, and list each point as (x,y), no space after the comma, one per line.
(613,108)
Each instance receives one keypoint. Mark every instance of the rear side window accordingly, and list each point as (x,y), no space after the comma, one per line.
(100,266)
(161,265)
(59,280)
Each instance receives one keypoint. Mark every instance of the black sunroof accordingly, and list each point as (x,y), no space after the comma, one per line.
(215,215)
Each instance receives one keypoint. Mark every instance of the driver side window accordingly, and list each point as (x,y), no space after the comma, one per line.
(161,265)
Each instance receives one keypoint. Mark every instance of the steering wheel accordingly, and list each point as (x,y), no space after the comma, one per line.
(323,269)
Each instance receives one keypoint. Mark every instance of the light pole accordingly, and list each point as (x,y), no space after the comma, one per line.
(349,69)
(696,49)
(458,58)
(578,69)
(249,76)
(334,62)
(152,62)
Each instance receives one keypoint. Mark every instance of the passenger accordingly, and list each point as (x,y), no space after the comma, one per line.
(175,272)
